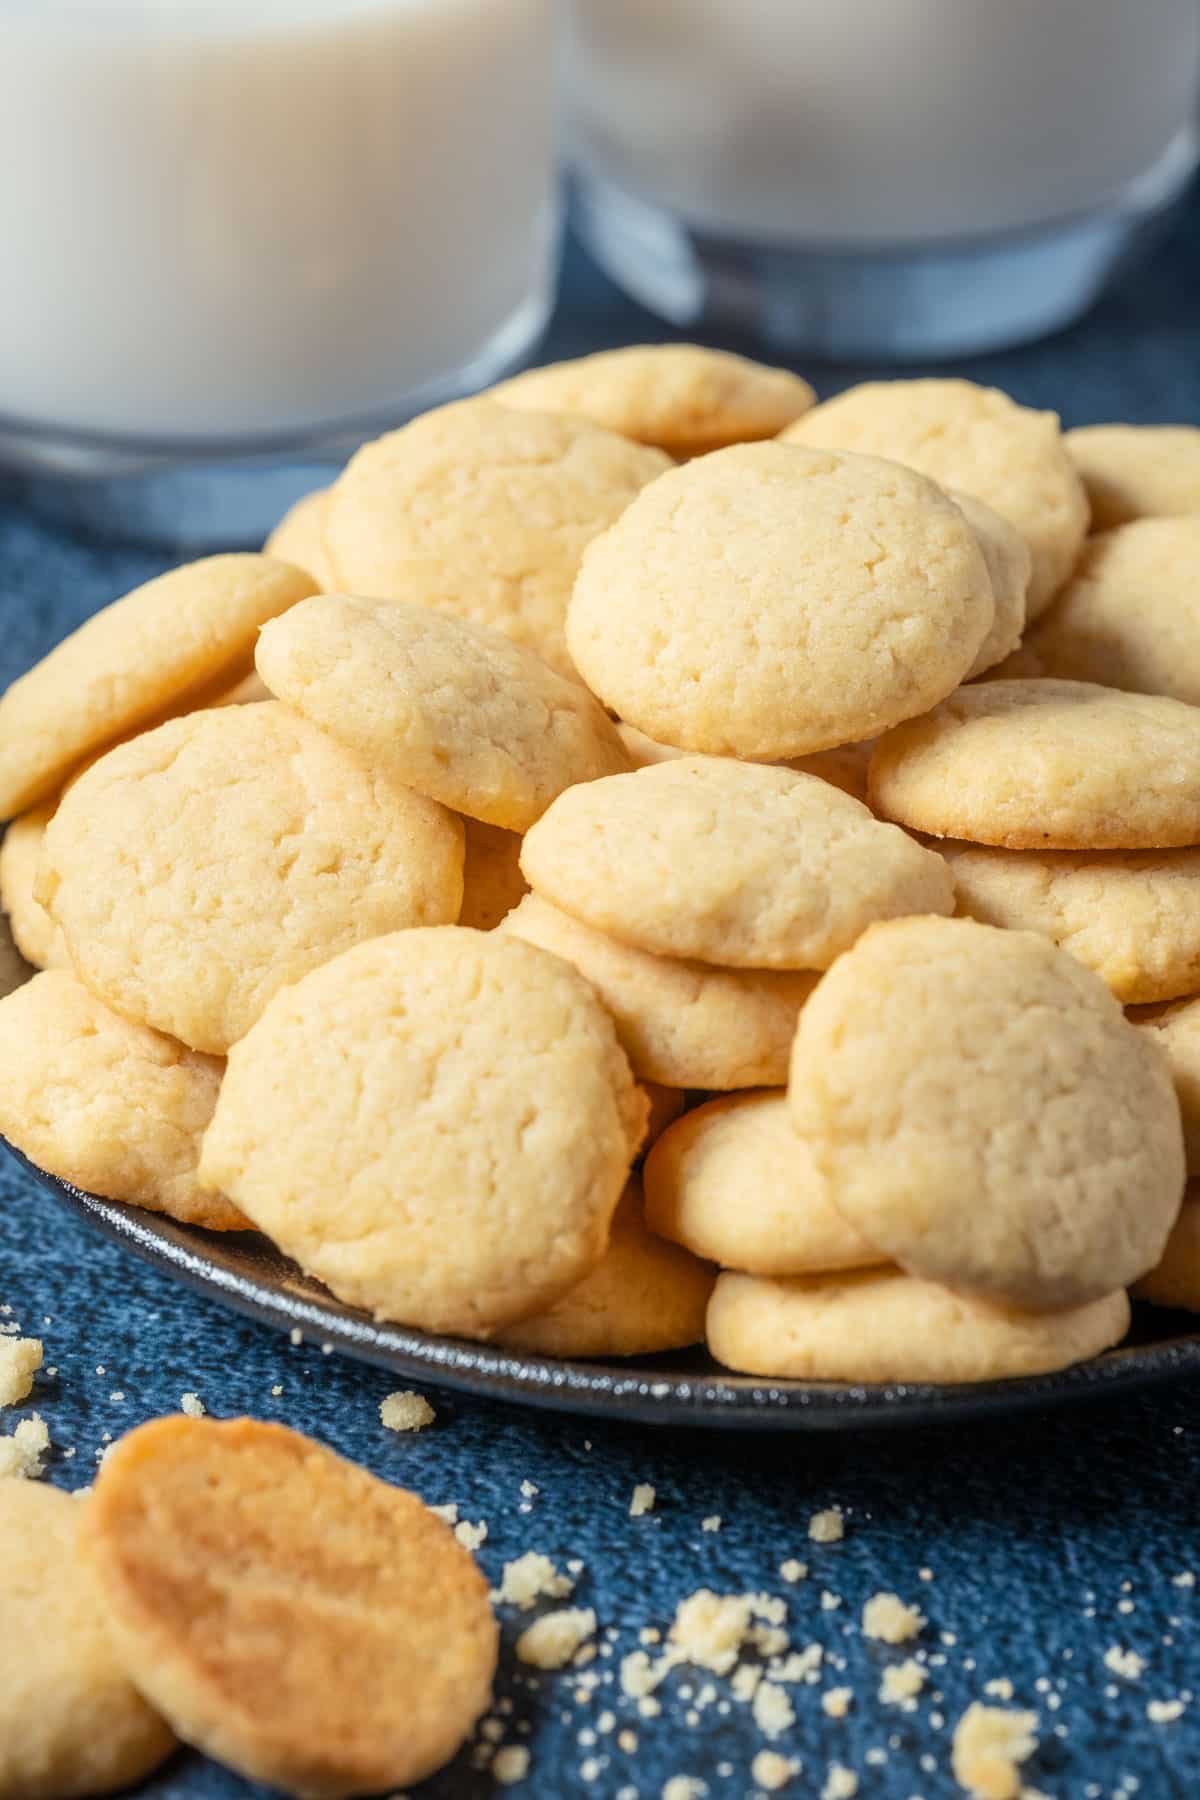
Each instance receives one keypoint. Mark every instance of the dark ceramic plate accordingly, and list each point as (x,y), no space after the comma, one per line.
(242,1270)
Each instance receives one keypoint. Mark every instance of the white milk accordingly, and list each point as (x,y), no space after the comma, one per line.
(861,122)
(224,219)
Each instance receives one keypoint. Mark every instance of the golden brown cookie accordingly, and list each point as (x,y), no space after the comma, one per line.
(980,1109)
(34,932)
(771,600)
(476,1124)
(1010,566)
(299,538)
(200,868)
(483,512)
(71,1722)
(307,1625)
(492,880)
(684,398)
(446,706)
(1045,765)
(131,663)
(1137,471)
(1175,1278)
(684,1024)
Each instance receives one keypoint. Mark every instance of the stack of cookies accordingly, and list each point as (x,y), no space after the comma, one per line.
(642,759)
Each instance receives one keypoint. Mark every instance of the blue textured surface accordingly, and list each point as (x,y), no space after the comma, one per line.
(1031,1529)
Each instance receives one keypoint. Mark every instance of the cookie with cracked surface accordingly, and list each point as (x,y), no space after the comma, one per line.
(483,512)
(770,600)
(112,1107)
(1175,1278)
(686,399)
(684,1024)
(980,1108)
(1130,616)
(134,661)
(738,864)
(1176,1031)
(34,932)
(881,1325)
(1010,566)
(1137,471)
(200,868)
(71,1721)
(1133,916)
(476,1126)
(492,880)
(733,1181)
(1045,765)
(304,1623)
(448,707)
(976,439)
(299,538)
(644,1296)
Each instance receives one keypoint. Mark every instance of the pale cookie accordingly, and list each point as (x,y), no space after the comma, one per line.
(1175,1279)
(131,663)
(484,513)
(845,766)
(446,706)
(475,1125)
(114,1108)
(1046,765)
(205,865)
(299,538)
(1177,1034)
(769,600)
(685,398)
(71,1722)
(734,1181)
(1130,616)
(305,1624)
(1010,566)
(643,1297)
(665,1104)
(34,932)
(882,1325)
(1137,471)
(981,1110)
(684,1024)
(1133,916)
(976,439)
(732,863)
(492,880)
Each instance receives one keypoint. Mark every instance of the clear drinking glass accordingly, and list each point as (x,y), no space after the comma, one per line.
(864,178)
(241,235)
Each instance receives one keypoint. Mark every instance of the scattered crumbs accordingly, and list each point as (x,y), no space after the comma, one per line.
(649,1634)
(772,1710)
(800,1665)
(1185,1580)
(840,1783)
(492,1730)
(886,1618)
(530,1490)
(575,1565)
(449,1512)
(744,1682)
(20,1360)
(836,1702)
(296,1336)
(770,1771)
(1125,1606)
(277,1390)
(627,1741)
(791,1570)
(326,1349)
(100,1369)
(510,1765)
(989,1745)
(902,1681)
(949,1638)
(192,1405)
(685,1787)
(999,1689)
(1125,1662)
(591,1768)
(642,1501)
(712,1523)
(471,1536)
(117,1395)
(21,1454)
(627,1793)
(551,1641)
(1164,1712)
(605,1723)
(405,1411)
(827,1527)
(830,1602)
(709,1629)
(649,1707)
(876,1757)
(530,1578)
(924,1574)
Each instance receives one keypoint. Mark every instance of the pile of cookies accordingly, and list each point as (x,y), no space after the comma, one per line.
(643,762)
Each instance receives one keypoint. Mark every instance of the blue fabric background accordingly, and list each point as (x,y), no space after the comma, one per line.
(1038,1532)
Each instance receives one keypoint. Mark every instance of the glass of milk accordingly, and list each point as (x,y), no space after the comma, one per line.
(241,235)
(878,178)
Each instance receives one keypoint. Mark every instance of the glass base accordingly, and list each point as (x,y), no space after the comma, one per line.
(199,497)
(896,303)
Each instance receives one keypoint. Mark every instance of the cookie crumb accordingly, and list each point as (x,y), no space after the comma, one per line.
(840,1784)
(827,1527)
(471,1536)
(21,1453)
(530,1578)
(790,1570)
(277,1390)
(712,1523)
(772,1710)
(684,1787)
(1124,1662)
(1000,1689)
(1185,1580)
(710,1629)
(295,1337)
(405,1411)
(448,1512)
(988,1747)
(771,1771)
(1164,1712)
(836,1702)
(902,1681)
(886,1618)
(510,1765)
(551,1641)
(20,1360)
(642,1501)
(192,1405)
